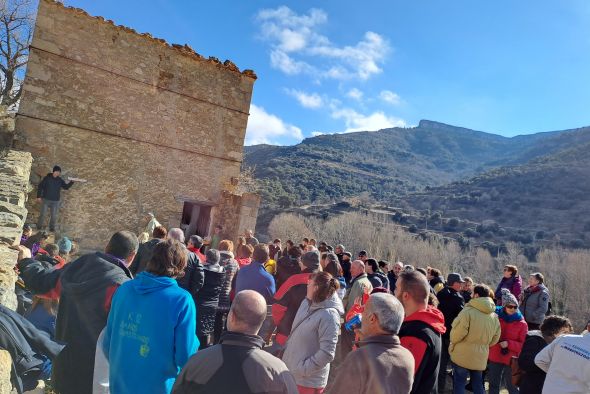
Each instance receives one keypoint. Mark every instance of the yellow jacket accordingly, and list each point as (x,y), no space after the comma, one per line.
(475,329)
(271,267)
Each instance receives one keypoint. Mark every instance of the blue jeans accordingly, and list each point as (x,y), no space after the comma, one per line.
(460,375)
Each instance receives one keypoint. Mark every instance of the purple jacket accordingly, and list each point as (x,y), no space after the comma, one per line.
(514,284)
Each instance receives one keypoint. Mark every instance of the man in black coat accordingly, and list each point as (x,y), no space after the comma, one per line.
(85,288)
(451,303)
(48,194)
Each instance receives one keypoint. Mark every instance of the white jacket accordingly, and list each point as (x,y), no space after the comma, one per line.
(100,381)
(311,346)
(567,363)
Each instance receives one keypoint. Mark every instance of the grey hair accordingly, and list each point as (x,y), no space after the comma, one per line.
(359,263)
(388,310)
(176,234)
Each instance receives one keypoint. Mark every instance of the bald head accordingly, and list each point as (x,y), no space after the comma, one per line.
(247,313)
(357,268)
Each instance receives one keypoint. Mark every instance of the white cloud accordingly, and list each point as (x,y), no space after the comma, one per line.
(280,60)
(355,121)
(295,35)
(265,128)
(306,100)
(390,97)
(316,133)
(355,94)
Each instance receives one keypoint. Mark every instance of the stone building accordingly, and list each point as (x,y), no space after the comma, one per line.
(152,127)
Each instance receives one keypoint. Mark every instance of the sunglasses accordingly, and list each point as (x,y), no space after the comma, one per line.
(510,307)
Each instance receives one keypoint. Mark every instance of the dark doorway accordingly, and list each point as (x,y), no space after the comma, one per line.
(195,219)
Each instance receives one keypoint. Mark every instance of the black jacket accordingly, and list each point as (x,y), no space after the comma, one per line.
(534,378)
(25,343)
(383,279)
(230,265)
(143,256)
(375,280)
(207,300)
(450,304)
(392,281)
(193,278)
(50,187)
(346,271)
(237,365)
(86,287)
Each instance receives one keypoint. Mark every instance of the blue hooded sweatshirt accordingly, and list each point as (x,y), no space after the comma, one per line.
(150,335)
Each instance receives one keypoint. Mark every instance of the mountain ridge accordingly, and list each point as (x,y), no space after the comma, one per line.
(392,161)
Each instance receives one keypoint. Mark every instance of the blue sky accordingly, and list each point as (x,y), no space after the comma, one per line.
(338,66)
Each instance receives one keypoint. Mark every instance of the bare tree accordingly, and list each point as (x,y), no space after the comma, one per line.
(16,27)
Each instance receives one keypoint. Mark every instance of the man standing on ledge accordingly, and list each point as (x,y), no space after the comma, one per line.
(48,193)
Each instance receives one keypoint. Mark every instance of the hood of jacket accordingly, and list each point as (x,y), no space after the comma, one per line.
(90,272)
(331,302)
(483,304)
(147,282)
(431,316)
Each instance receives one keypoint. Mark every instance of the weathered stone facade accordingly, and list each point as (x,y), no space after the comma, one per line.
(149,125)
(15,169)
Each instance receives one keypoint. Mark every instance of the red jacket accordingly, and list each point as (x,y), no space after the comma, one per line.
(420,333)
(512,332)
(286,304)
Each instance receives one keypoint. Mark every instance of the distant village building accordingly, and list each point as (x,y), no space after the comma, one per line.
(152,127)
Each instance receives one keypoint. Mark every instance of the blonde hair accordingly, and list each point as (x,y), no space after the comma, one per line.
(226,245)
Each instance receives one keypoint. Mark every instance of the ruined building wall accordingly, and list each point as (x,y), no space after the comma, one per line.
(147,124)
(15,169)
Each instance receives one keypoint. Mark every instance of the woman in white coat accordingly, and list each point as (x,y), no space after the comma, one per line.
(312,343)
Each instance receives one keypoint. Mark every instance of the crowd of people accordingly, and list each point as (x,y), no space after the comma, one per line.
(176,315)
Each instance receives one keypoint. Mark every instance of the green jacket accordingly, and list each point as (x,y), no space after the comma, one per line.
(475,329)
(356,289)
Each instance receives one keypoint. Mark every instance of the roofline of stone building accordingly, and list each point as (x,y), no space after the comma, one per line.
(185,49)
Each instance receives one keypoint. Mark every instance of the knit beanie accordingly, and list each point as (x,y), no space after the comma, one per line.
(212,256)
(65,245)
(311,260)
(508,298)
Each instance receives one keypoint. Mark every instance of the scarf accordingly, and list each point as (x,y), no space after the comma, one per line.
(501,312)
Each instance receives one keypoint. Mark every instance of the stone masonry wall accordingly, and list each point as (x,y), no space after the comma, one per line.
(15,169)
(149,125)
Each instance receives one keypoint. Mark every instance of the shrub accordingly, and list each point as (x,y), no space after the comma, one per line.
(453,222)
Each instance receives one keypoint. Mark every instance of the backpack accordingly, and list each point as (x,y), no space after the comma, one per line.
(517,372)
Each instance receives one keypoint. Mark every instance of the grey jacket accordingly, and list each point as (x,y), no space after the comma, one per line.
(534,304)
(381,365)
(312,345)
(236,365)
